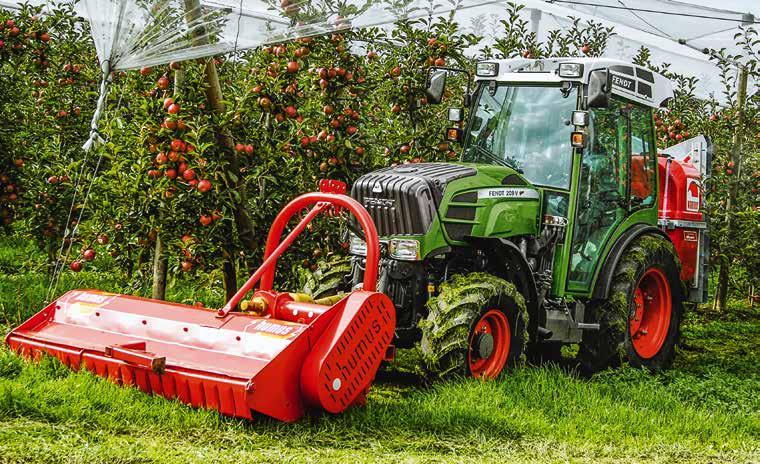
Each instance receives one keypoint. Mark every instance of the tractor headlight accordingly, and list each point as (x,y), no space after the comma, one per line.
(357,246)
(405,250)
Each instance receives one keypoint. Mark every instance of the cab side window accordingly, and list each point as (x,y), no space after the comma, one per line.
(643,159)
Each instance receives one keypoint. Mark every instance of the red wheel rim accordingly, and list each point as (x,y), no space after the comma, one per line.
(650,321)
(492,326)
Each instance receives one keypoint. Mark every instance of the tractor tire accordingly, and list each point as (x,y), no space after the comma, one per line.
(476,326)
(332,277)
(640,321)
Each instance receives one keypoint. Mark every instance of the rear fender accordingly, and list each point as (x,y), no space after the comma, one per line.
(607,271)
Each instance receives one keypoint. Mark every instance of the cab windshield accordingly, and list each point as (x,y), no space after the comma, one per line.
(526,128)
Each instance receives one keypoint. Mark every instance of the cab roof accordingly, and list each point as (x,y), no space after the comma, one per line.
(630,81)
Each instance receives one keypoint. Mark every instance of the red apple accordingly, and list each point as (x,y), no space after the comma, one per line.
(204,186)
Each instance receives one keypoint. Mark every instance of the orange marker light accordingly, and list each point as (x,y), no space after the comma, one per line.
(578,139)
(454,134)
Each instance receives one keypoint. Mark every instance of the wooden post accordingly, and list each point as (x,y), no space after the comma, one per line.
(721,297)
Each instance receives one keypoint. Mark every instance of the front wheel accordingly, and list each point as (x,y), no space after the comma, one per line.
(639,322)
(476,327)
(331,277)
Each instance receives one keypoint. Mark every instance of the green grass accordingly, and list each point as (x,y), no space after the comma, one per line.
(706,409)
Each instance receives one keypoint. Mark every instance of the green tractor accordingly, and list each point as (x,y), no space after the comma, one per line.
(561,224)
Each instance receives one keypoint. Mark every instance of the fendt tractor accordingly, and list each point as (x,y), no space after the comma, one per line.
(561,224)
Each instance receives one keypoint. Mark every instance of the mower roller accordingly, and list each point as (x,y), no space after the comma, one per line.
(278,358)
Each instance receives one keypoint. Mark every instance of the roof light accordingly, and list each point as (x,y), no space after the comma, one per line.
(486,69)
(573,70)
(456,114)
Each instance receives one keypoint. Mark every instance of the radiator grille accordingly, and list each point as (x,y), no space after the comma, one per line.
(403,200)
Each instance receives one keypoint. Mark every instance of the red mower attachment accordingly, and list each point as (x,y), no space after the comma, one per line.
(279,357)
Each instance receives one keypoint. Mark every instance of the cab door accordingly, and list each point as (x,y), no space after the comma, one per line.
(603,191)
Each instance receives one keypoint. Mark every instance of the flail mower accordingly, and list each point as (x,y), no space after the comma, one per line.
(278,355)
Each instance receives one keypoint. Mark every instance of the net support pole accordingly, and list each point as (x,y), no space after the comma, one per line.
(721,298)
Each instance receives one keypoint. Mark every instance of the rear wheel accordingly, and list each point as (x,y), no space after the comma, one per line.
(476,327)
(640,320)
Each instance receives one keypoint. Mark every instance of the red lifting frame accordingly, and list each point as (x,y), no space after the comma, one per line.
(321,201)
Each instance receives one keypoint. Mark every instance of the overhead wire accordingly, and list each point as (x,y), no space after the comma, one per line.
(644,20)
(648,10)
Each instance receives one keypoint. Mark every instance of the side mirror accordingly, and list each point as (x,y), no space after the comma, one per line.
(456,114)
(436,85)
(599,89)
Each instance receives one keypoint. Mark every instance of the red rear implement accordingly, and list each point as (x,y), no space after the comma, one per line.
(287,357)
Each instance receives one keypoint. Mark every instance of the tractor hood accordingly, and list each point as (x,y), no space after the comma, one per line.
(497,202)
(404,199)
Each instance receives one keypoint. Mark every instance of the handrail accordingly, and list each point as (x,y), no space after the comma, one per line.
(275,248)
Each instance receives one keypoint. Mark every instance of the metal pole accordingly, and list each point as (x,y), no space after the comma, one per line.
(535,21)
(736,158)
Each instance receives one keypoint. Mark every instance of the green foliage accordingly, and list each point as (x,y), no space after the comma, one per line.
(580,39)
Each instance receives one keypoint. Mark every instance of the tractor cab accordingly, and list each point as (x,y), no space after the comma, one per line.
(560,223)
(580,131)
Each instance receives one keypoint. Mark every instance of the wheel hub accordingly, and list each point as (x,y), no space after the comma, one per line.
(489,345)
(484,344)
(649,318)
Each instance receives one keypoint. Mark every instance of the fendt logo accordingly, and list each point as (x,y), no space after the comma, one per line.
(623,82)
(377,188)
(378,202)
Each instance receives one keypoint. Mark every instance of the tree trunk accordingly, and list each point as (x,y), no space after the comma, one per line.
(232,169)
(160,266)
(230,278)
(722,295)
(224,139)
(159,271)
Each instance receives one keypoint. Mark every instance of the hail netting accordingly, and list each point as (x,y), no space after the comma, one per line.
(130,34)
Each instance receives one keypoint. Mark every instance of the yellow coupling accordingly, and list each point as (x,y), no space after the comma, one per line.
(257,306)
